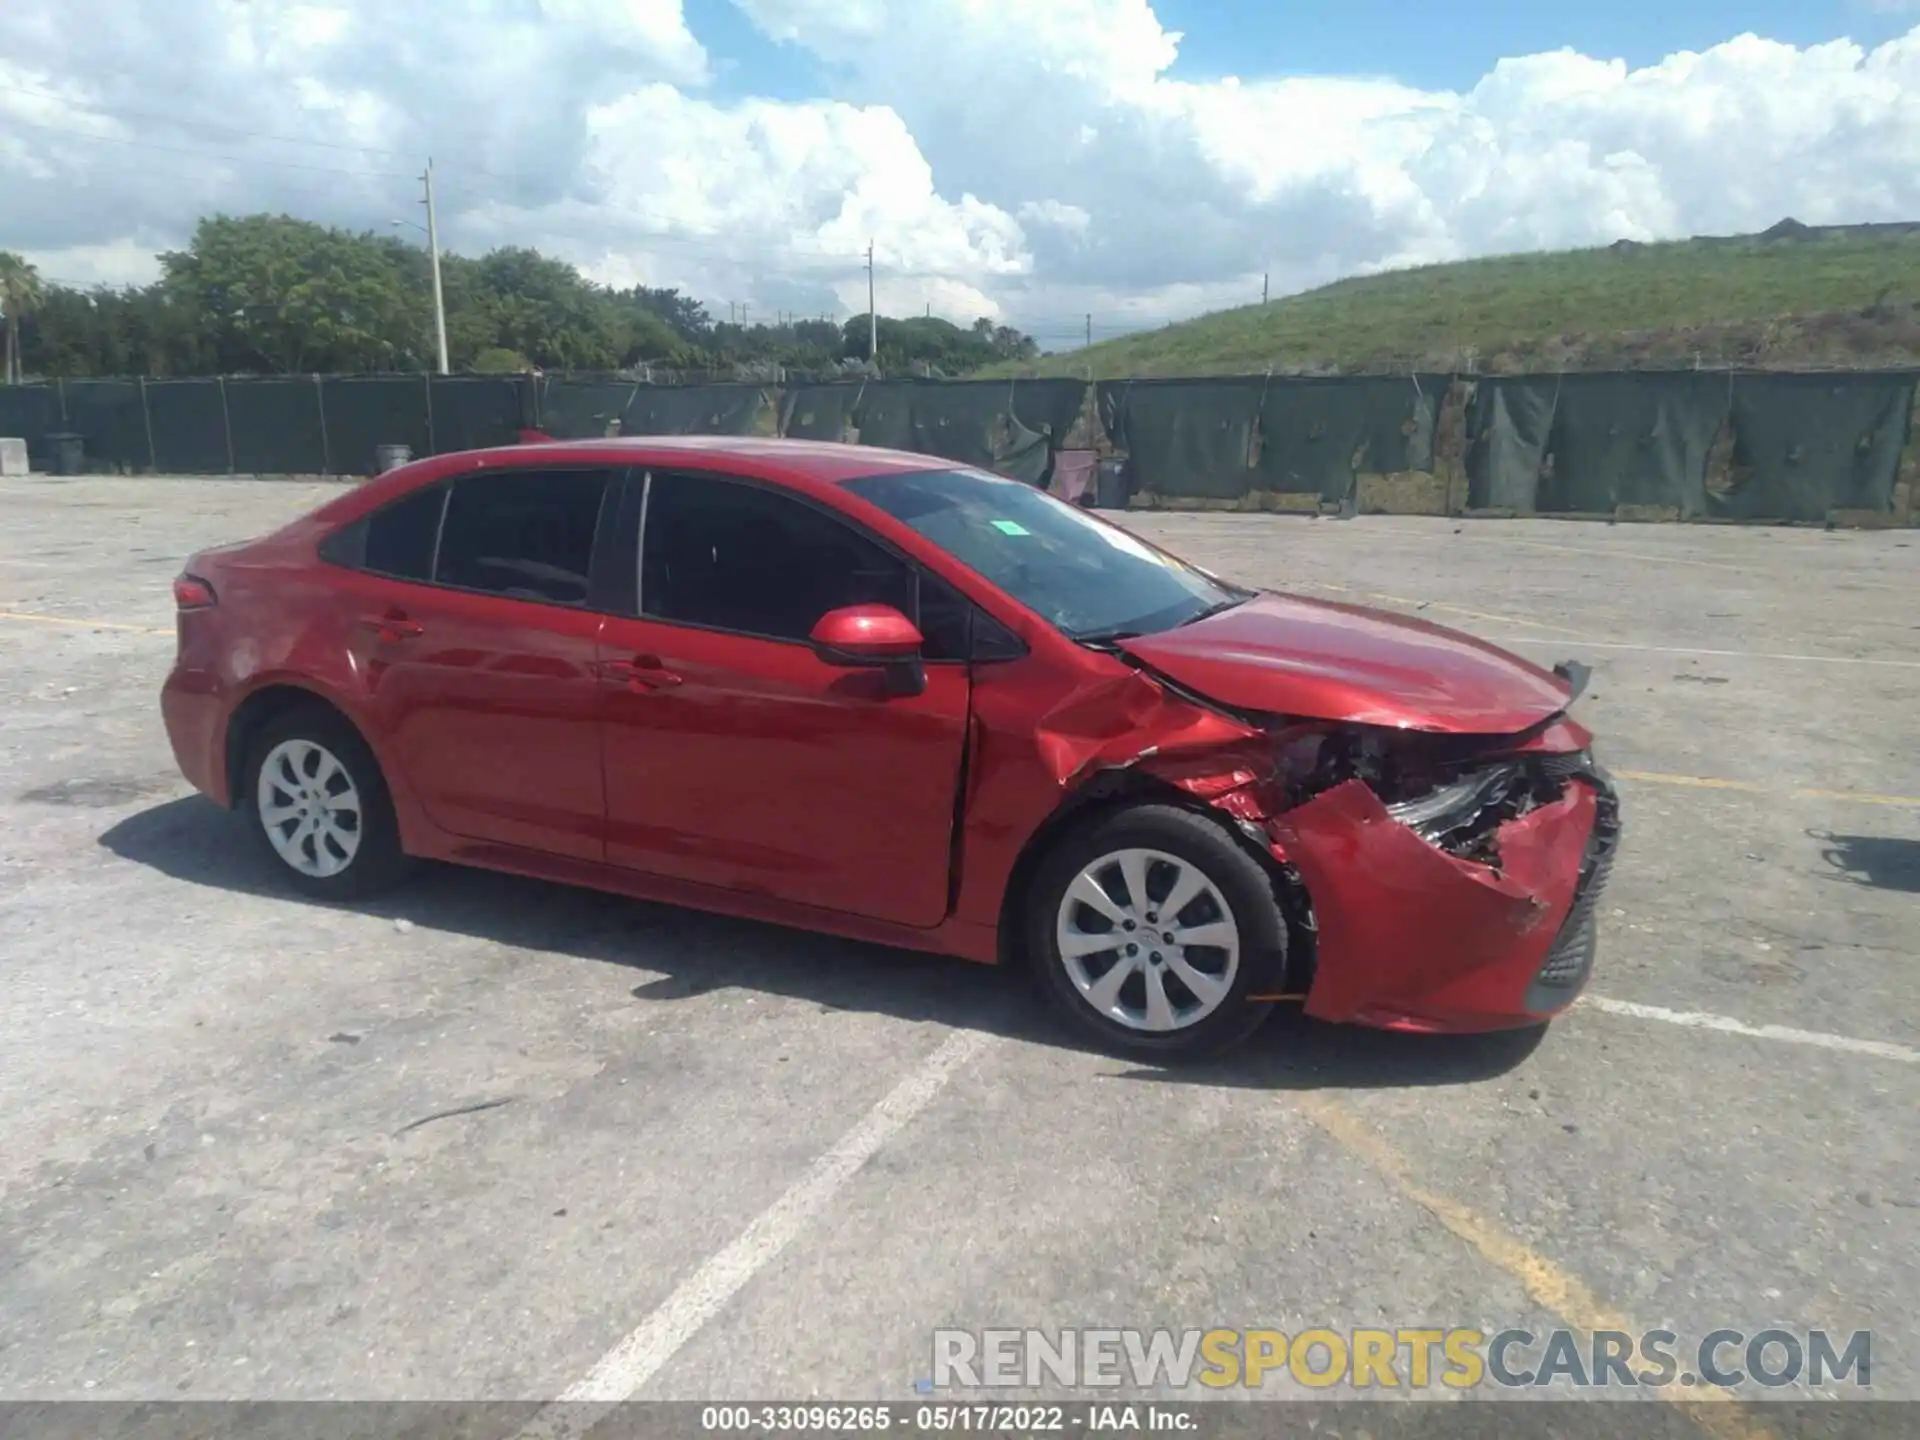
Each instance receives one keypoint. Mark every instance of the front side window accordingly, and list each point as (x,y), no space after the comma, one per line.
(1093,581)
(737,557)
(525,534)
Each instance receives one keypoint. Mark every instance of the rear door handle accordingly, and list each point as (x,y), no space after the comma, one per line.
(393,627)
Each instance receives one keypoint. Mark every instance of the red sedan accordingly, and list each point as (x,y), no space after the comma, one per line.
(876,695)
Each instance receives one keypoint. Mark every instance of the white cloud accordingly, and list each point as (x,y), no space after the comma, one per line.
(117,262)
(1195,190)
(1032,162)
(1070,218)
(808,185)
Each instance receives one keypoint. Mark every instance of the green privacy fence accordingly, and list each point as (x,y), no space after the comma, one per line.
(1795,447)
(1686,445)
(1729,445)
(335,425)
(283,425)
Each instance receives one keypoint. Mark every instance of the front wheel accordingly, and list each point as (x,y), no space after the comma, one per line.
(1151,929)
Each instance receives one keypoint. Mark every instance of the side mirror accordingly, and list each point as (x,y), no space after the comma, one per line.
(866,635)
(873,637)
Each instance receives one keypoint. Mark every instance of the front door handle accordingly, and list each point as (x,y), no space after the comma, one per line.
(393,626)
(640,674)
(648,671)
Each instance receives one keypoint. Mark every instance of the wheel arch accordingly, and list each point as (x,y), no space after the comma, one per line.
(1118,789)
(260,709)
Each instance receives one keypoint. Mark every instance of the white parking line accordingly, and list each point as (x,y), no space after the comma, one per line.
(629,1365)
(1699,1020)
(1575,643)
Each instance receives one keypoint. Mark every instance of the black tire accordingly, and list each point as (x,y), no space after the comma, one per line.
(377,862)
(1237,876)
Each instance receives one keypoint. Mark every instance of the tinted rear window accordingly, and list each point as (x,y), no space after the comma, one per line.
(400,537)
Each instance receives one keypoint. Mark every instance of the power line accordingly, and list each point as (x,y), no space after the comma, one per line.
(707,243)
(118,112)
(115,112)
(710,245)
(209,154)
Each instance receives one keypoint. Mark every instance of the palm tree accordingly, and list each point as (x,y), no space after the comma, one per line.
(20,295)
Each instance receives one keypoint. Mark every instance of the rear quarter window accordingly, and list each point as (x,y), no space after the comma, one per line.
(396,540)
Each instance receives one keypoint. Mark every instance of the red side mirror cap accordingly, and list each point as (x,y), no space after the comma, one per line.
(865,635)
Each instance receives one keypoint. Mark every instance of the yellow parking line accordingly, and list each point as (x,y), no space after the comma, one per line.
(1748,787)
(1554,1289)
(31,619)
(1699,782)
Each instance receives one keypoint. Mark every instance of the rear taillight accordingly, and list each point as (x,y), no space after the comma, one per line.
(190,592)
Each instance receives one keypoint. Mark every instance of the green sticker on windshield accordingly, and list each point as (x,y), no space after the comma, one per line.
(1010,527)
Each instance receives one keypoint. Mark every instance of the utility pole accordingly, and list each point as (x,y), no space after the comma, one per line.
(743,314)
(433,249)
(1263,287)
(1089,331)
(873,315)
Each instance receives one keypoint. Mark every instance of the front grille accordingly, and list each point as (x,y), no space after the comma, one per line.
(1571,958)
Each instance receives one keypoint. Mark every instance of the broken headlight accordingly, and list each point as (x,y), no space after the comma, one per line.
(1461,806)
(1453,791)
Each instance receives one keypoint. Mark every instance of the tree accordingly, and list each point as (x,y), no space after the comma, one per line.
(280,295)
(685,316)
(20,295)
(932,344)
(253,294)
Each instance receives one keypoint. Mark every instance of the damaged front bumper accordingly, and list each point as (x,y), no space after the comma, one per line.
(1412,937)
(1440,881)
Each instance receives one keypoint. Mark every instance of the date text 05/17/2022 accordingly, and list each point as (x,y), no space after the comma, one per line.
(945,1418)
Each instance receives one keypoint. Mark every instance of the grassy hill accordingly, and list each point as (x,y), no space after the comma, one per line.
(1795,297)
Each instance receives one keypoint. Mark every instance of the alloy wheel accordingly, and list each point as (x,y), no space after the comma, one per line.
(1148,940)
(310,808)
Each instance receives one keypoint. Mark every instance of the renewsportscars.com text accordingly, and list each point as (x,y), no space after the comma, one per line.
(1417,1359)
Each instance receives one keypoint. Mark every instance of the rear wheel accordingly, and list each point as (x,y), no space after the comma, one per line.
(320,807)
(1150,928)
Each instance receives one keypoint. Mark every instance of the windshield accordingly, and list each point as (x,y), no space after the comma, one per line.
(1092,580)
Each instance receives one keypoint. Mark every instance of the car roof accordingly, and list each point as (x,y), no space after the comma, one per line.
(797,461)
(798,464)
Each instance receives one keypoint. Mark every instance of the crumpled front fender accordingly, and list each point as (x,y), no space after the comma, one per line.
(1411,937)
(1119,722)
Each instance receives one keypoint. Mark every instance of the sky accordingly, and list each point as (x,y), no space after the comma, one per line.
(1036,161)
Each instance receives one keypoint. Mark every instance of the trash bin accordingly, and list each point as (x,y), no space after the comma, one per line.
(68,452)
(390,457)
(1112,485)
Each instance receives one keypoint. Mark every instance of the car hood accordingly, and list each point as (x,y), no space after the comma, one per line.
(1288,655)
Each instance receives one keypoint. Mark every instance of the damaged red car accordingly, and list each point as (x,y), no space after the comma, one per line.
(882,696)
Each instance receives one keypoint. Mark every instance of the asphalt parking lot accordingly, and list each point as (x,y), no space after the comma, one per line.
(487,1138)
